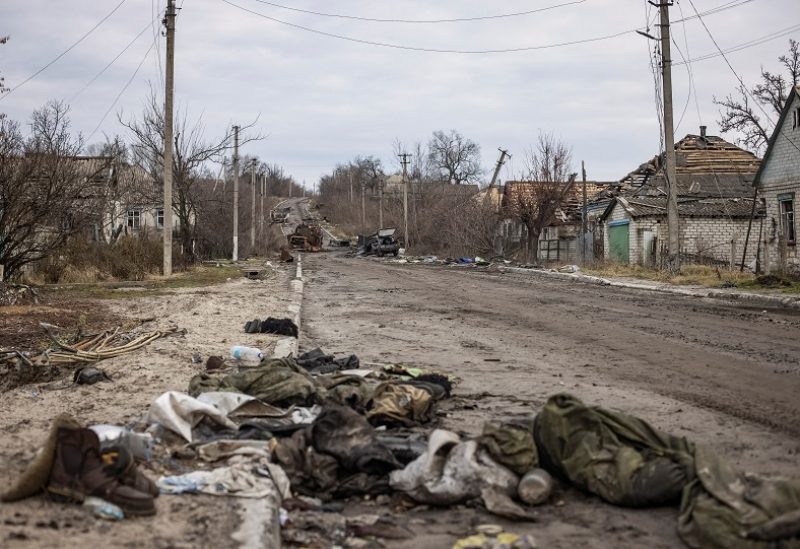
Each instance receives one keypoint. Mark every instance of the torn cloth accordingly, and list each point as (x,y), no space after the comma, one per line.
(179,412)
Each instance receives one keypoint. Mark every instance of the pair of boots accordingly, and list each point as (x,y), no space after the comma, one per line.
(81,469)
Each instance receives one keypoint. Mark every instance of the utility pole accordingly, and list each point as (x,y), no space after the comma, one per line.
(503,155)
(673,228)
(263,192)
(169,21)
(236,193)
(253,208)
(404,160)
(363,205)
(290,188)
(583,215)
(350,176)
(380,203)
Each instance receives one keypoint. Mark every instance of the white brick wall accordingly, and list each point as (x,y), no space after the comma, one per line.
(709,237)
(781,174)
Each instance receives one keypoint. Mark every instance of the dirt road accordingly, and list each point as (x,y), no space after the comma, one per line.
(724,376)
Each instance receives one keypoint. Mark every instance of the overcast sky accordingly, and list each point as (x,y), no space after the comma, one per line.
(323,100)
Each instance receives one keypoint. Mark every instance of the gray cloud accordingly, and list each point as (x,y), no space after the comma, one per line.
(323,101)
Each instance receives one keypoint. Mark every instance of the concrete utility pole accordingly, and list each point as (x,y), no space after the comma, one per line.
(673,228)
(364,205)
(380,204)
(404,160)
(236,193)
(503,155)
(253,207)
(263,192)
(169,21)
(583,214)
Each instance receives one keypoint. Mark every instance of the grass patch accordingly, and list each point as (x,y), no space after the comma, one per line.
(701,275)
(196,277)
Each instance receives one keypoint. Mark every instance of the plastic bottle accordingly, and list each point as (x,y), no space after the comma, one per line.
(249,355)
(103,509)
(535,487)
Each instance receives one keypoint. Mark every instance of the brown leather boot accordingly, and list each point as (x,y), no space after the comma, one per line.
(78,471)
(120,463)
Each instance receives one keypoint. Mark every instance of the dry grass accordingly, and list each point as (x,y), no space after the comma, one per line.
(700,275)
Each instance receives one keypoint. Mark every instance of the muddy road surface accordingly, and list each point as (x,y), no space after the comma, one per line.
(722,375)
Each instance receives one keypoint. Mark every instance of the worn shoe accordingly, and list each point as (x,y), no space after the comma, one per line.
(79,471)
(119,462)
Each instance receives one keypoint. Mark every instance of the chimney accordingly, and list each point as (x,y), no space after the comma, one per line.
(703,131)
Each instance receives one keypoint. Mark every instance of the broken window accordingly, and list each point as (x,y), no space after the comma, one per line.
(134,219)
(786,214)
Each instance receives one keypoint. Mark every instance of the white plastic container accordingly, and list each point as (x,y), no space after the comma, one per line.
(247,355)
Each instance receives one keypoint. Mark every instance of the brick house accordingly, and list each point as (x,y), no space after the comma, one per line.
(778,181)
(712,230)
(715,204)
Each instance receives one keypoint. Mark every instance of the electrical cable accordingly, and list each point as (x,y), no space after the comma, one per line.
(739,78)
(122,91)
(421,49)
(421,21)
(104,69)
(469,52)
(744,45)
(65,52)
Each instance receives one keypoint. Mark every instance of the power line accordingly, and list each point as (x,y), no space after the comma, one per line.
(421,49)
(104,69)
(65,52)
(122,91)
(420,21)
(473,52)
(739,78)
(744,45)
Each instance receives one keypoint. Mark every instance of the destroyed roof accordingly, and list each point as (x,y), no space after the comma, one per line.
(706,166)
(570,210)
(737,208)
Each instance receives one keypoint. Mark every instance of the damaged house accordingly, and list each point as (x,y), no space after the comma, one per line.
(715,206)
(559,236)
(778,182)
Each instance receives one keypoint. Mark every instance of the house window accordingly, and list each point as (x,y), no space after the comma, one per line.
(786,214)
(160,218)
(796,118)
(134,219)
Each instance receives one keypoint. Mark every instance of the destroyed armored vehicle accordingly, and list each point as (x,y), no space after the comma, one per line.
(380,243)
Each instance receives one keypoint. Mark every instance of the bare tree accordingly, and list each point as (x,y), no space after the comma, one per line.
(740,110)
(455,158)
(47,192)
(192,152)
(545,184)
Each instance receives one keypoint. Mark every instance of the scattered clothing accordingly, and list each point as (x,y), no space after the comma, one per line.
(179,413)
(511,445)
(279,326)
(280,382)
(317,362)
(452,471)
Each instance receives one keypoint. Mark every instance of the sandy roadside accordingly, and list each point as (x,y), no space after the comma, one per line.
(213,318)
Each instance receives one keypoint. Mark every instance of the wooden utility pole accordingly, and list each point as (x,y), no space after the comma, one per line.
(169,21)
(253,208)
(503,155)
(404,160)
(236,193)
(583,214)
(673,227)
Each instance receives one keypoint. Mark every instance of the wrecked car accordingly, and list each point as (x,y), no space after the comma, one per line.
(380,243)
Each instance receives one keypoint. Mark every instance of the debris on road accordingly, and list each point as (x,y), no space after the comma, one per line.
(307,237)
(278,326)
(89,375)
(317,361)
(380,243)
